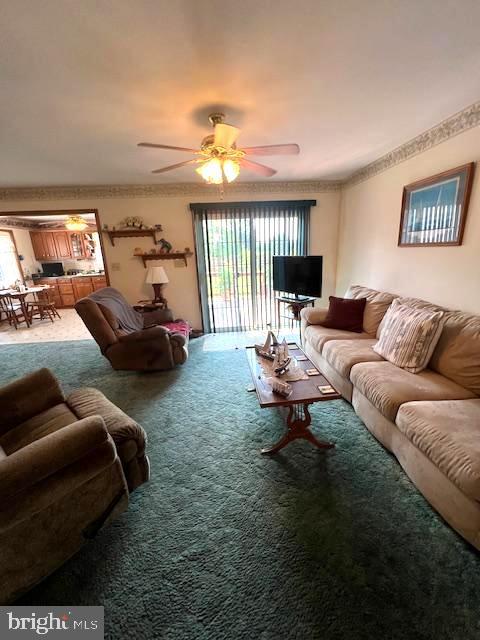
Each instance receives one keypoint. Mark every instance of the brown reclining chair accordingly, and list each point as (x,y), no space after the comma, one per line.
(131,340)
(67,467)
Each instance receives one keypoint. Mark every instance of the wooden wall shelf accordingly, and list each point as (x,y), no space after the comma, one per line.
(174,255)
(131,233)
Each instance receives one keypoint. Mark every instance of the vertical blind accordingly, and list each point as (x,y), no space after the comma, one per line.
(235,243)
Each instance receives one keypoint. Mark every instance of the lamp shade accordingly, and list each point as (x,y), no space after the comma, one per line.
(156,275)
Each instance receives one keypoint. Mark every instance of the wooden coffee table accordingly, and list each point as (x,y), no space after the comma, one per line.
(295,407)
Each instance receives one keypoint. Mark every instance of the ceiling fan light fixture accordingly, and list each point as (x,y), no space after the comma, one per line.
(75,223)
(231,169)
(211,171)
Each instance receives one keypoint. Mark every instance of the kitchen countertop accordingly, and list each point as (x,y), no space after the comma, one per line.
(78,275)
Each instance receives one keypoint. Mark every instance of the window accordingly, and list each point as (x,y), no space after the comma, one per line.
(9,266)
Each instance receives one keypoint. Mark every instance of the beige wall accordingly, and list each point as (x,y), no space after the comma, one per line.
(370,216)
(24,247)
(175,216)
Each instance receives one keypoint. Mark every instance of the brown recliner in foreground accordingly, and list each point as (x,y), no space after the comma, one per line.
(67,466)
(158,345)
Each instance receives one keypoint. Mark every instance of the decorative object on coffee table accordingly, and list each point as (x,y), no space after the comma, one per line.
(157,277)
(434,210)
(304,392)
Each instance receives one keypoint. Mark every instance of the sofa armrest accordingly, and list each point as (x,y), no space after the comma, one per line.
(49,455)
(24,398)
(144,335)
(158,316)
(129,437)
(313,315)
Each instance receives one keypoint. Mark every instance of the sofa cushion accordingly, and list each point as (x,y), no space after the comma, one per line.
(343,354)
(375,308)
(448,433)
(37,427)
(317,336)
(409,336)
(457,355)
(388,387)
(345,314)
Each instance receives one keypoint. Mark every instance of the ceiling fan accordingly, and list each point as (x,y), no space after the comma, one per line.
(219,157)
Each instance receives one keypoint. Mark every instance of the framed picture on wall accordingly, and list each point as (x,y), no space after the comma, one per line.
(434,210)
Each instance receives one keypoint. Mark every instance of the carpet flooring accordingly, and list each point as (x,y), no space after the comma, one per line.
(226,544)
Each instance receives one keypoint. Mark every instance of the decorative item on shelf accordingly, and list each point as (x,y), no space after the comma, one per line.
(165,246)
(158,227)
(133,222)
(138,251)
(157,277)
(105,227)
(153,251)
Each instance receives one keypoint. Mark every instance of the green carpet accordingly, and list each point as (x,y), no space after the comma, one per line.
(226,544)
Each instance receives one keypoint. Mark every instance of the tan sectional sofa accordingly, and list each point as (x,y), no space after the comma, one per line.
(430,420)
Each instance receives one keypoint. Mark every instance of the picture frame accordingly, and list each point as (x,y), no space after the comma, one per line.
(434,210)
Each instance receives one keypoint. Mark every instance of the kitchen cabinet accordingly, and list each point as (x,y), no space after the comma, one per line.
(82,287)
(99,282)
(67,290)
(62,244)
(49,244)
(38,245)
(54,245)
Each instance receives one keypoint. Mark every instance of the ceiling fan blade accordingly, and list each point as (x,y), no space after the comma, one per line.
(164,146)
(261,169)
(174,166)
(225,135)
(273,150)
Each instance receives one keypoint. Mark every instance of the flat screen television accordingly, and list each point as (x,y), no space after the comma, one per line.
(300,275)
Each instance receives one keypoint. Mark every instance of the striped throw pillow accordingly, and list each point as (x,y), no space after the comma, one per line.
(409,336)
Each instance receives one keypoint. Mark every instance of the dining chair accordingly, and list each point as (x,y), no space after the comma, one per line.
(13,310)
(43,306)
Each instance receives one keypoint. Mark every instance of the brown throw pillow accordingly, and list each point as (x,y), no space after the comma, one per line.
(345,314)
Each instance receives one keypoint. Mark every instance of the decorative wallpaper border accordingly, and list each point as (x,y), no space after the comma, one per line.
(449,128)
(165,190)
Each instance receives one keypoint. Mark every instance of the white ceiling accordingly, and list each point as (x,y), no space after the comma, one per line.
(349,80)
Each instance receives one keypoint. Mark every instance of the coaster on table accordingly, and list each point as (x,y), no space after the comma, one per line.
(312,372)
(326,389)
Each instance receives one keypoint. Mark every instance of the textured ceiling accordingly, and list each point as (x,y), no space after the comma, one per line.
(83,82)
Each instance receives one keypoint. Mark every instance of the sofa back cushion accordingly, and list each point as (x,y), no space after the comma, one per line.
(457,354)
(409,336)
(375,307)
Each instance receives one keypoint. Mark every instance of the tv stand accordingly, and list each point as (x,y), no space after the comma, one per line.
(292,307)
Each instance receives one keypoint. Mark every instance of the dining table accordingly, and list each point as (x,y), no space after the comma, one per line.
(21,297)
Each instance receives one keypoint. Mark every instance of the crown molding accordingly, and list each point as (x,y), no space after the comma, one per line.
(449,128)
(164,190)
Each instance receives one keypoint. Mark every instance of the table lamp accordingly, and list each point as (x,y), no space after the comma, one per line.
(157,277)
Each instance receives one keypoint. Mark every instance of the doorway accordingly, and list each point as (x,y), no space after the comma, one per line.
(53,254)
(235,243)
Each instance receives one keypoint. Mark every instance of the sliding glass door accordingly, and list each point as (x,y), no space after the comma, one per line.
(235,243)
